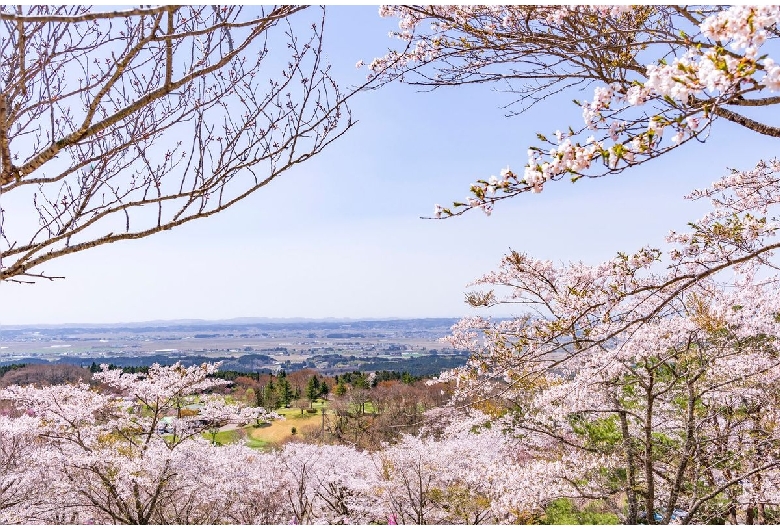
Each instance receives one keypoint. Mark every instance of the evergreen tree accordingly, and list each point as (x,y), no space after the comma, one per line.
(313,389)
(260,397)
(271,396)
(360,381)
(284,391)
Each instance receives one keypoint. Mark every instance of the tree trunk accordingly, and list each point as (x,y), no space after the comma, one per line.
(732,514)
(649,478)
(631,470)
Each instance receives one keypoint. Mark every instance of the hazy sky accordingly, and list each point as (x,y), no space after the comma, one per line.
(340,236)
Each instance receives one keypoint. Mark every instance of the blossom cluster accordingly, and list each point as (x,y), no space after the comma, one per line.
(710,72)
(625,121)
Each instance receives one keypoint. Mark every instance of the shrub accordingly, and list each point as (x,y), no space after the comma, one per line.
(563,511)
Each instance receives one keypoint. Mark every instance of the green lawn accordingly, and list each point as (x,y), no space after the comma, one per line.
(254,443)
(279,431)
(225,437)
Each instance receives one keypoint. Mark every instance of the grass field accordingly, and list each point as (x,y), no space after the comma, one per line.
(280,431)
(226,437)
(275,433)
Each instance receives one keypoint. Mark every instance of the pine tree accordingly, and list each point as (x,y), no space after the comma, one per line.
(313,389)
(271,396)
(285,391)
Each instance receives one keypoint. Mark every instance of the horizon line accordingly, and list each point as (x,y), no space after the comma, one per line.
(235,320)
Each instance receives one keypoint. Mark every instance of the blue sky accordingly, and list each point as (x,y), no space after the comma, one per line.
(340,236)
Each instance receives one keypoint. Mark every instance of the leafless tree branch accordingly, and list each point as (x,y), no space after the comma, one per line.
(118,125)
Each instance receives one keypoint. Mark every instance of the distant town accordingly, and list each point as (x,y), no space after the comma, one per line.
(331,347)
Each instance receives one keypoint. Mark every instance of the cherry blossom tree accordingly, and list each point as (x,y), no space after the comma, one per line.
(576,308)
(94,455)
(78,454)
(666,361)
(110,458)
(466,473)
(657,366)
(229,484)
(328,484)
(679,410)
(705,63)
(21,473)
(116,125)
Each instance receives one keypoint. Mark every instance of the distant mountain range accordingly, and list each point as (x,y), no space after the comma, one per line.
(242,322)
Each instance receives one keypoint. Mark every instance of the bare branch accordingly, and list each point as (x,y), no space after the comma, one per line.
(753,125)
(133,122)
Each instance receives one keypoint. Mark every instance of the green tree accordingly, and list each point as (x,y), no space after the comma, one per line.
(563,511)
(313,389)
(284,390)
(360,381)
(250,396)
(271,396)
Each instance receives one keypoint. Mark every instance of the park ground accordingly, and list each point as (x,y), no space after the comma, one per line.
(277,432)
